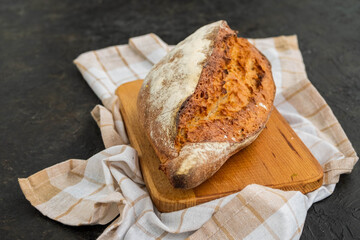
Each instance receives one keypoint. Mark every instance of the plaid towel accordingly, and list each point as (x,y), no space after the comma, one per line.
(97,190)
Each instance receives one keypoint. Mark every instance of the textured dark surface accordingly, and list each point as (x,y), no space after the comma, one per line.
(45,103)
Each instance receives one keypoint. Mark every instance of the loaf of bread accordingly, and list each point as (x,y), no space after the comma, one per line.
(208,98)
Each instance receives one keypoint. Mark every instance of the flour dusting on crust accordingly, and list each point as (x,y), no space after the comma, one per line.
(169,86)
(179,74)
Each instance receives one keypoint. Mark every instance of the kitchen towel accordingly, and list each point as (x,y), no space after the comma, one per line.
(109,185)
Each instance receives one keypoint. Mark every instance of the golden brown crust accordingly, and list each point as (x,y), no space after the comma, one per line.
(168,85)
(233,98)
(207,99)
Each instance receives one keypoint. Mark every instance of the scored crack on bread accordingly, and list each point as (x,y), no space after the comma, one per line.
(204,101)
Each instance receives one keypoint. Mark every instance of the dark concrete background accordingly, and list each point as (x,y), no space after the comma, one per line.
(45,103)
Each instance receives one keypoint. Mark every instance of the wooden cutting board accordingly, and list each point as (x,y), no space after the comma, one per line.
(277,159)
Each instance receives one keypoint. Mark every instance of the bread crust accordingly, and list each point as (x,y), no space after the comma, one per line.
(169,89)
